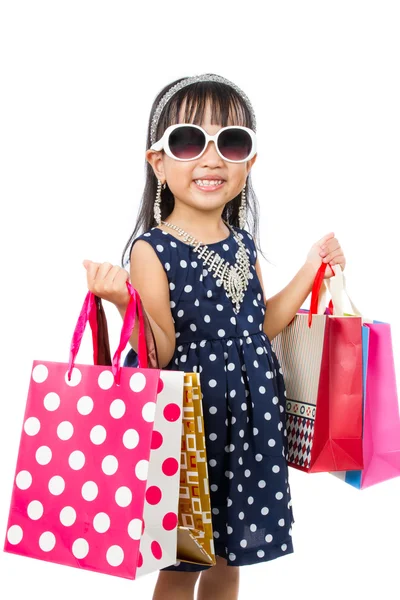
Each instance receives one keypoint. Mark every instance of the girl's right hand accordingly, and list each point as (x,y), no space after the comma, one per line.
(108,282)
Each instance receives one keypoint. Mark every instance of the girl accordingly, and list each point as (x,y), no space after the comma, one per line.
(196,269)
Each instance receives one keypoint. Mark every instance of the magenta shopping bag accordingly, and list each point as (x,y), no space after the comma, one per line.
(97,478)
(381,427)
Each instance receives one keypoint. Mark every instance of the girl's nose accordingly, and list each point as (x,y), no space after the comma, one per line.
(211,155)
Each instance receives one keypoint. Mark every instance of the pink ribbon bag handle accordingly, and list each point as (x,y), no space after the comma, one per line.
(88,313)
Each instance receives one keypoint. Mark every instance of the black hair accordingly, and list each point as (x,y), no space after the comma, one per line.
(225,103)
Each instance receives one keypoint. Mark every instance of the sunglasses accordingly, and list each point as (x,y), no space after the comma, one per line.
(234,144)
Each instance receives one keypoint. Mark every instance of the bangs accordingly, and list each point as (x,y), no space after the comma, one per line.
(189,106)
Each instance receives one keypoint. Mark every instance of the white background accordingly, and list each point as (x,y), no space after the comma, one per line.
(77,83)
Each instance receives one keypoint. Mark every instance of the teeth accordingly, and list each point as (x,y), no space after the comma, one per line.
(206,182)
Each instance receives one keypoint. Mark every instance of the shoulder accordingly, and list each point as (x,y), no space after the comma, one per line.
(243,233)
(248,241)
(150,242)
(150,236)
(153,250)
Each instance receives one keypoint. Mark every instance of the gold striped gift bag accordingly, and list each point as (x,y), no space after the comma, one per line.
(195,533)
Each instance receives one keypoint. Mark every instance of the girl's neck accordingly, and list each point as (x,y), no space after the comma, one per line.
(207,229)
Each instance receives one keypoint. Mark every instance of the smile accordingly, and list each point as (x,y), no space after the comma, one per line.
(209,184)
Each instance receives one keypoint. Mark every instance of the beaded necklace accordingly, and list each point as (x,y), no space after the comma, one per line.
(235,278)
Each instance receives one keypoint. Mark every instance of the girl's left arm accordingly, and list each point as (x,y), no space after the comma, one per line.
(281,308)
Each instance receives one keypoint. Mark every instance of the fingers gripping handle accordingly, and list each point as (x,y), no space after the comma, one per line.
(88,313)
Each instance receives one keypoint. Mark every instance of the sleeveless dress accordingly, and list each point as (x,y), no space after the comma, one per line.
(243,400)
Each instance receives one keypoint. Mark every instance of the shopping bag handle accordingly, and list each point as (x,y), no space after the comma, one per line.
(337,289)
(317,288)
(338,292)
(88,313)
(101,342)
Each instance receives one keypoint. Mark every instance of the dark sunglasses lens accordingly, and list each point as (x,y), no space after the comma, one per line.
(235,144)
(186,142)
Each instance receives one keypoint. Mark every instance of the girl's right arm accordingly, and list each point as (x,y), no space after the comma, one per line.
(148,277)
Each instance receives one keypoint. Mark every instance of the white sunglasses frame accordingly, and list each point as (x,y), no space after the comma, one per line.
(163,142)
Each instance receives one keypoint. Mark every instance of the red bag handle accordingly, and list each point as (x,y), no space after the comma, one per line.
(315,291)
(88,313)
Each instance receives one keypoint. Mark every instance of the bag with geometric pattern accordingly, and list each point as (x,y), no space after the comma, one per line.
(321,361)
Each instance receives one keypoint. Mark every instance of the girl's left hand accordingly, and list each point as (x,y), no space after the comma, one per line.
(327,249)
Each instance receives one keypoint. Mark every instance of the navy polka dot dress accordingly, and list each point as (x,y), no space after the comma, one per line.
(243,400)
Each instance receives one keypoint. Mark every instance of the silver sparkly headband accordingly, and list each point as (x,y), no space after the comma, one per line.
(189,81)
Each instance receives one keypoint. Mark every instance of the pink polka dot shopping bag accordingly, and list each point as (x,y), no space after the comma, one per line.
(97,477)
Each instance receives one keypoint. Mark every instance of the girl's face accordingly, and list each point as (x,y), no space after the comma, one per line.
(184,177)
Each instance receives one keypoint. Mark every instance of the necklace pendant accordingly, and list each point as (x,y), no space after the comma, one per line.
(234,278)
